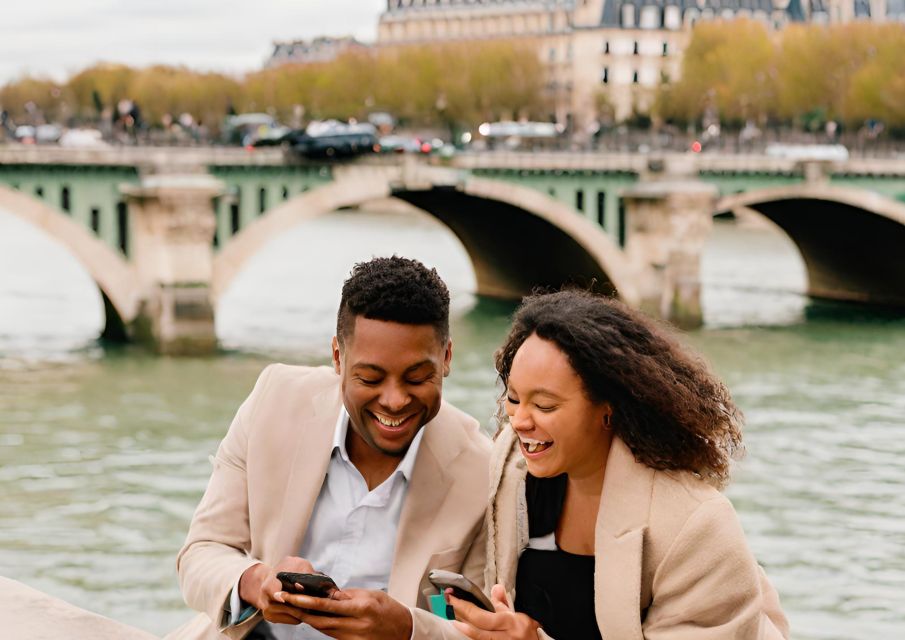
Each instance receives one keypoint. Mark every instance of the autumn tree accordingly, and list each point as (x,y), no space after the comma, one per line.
(727,67)
(34,100)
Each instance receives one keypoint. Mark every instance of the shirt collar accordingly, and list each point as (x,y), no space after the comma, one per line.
(406,466)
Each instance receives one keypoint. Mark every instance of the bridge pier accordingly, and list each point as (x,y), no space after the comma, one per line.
(668,221)
(173,230)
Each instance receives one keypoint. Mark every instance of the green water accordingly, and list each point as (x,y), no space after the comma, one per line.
(104,453)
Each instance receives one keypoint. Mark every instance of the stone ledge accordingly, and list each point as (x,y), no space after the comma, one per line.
(29,614)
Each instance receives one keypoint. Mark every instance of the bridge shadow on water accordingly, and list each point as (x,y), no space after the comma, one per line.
(832,311)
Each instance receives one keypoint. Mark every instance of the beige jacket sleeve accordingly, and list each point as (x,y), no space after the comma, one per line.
(709,586)
(426,625)
(216,551)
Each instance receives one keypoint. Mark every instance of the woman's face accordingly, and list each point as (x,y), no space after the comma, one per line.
(561,430)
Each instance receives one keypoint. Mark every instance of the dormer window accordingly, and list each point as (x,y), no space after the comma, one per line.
(671,17)
(650,17)
(628,16)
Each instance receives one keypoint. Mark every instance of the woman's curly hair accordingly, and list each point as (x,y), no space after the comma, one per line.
(670,410)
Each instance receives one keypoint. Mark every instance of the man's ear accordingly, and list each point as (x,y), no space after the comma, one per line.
(337,357)
(447,358)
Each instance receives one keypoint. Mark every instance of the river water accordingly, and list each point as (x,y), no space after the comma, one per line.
(103,452)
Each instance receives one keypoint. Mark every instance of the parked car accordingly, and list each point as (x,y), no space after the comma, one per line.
(83,138)
(48,133)
(272,137)
(247,128)
(331,139)
(25,133)
(400,144)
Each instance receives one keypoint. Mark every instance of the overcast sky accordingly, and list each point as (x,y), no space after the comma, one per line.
(58,37)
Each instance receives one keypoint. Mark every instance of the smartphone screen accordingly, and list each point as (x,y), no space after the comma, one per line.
(317,585)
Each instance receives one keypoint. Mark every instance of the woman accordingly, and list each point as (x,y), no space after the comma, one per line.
(606,518)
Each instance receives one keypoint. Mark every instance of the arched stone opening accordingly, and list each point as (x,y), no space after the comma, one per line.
(114,277)
(850,241)
(512,252)
(517,238)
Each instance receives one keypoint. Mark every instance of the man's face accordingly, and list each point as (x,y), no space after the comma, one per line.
(392,380)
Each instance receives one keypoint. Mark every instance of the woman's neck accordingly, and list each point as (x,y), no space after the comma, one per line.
(575,531)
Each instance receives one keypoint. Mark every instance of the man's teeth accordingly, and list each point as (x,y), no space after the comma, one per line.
(387,422)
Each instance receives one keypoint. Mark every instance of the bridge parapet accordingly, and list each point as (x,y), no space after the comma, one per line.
(625,162)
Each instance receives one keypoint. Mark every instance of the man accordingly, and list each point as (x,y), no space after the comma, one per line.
(362,473)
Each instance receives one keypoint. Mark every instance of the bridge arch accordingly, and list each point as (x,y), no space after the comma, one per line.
(517,238)
(851,240)
(114,276)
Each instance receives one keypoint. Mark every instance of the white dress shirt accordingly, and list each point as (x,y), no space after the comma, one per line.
(351,535)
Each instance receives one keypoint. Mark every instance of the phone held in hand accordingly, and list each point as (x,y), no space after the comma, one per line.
(462,587)
(317,585)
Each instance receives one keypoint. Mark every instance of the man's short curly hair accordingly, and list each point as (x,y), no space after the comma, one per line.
(394,289)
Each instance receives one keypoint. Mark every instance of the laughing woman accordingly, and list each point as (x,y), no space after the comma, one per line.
(606,518)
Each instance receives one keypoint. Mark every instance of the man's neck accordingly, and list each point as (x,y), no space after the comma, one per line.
(373,465)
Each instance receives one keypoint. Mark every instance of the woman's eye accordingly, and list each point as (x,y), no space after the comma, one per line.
(511,400)
(370,383)
(543,408)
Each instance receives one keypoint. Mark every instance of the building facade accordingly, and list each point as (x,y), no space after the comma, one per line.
(322,49)
(604,58)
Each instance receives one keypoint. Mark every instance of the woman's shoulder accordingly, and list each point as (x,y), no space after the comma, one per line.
(680,496)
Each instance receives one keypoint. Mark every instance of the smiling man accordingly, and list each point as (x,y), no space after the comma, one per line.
(361,472)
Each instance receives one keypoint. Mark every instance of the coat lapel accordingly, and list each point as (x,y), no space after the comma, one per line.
(509,516)
(421,515)
(311,457)
(619,543)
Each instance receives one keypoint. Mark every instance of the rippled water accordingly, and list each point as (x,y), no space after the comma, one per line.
(103,453)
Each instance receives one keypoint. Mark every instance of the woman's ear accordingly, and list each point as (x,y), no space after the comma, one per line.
(607,416)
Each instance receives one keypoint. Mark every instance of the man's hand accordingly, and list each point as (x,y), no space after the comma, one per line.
(259,583)
(363,615)
(503,624)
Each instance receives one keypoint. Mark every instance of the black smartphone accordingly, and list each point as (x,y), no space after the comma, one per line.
(462,587)
(317,585)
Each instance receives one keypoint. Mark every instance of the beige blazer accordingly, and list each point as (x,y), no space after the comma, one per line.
(268,472)
(671,561)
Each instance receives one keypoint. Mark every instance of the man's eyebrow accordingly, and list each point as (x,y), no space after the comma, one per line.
(366,365)
(379,369)
(418,365)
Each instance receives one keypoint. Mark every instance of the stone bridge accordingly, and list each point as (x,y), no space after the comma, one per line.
(852,241)
(163,238)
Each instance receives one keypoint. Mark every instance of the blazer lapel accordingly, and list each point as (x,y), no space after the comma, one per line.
(310,459)
(421,514)
(619,544)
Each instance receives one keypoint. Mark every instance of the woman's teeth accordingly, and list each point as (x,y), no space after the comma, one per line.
(533,446)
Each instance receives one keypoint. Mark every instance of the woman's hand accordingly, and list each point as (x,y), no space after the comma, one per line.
(504,624)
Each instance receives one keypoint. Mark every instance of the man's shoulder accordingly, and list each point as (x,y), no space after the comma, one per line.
(460,433)
(285,376)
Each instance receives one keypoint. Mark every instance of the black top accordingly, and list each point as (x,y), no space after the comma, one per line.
(554,587)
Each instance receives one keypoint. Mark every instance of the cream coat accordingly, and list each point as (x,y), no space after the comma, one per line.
(268,472)
(671,562)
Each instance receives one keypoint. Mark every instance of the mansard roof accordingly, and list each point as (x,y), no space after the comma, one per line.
(793,9)
(396,5)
